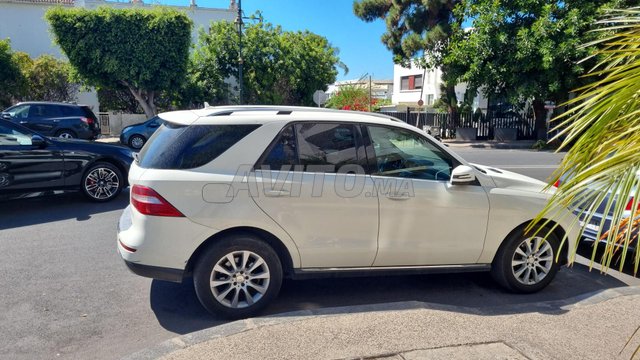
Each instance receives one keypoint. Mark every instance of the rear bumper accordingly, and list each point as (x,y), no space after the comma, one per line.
(154,272)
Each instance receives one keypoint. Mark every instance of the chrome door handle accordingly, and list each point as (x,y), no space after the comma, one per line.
(398,196)
(276,193)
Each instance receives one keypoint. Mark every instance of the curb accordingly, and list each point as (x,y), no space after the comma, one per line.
(239,326)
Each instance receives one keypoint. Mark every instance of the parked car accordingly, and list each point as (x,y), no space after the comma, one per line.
(320,192)
(31,164)
(63,120)
(594,222)
(135,136)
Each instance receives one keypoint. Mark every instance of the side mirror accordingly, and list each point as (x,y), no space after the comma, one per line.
(39,141)
(6,116)
(463,175)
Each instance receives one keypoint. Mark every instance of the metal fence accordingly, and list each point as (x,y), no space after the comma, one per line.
(485,124)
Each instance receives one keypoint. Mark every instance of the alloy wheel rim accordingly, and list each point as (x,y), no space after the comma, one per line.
(101,183)
(240,279)
(532,260)
(66,135)
(137,142)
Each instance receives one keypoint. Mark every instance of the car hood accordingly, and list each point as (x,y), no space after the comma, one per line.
(129,127)
(507,179)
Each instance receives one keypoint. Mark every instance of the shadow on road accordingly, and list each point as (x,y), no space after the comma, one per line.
(44,209)
(178,310)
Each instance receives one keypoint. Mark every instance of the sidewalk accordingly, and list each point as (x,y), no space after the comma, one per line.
(592,326)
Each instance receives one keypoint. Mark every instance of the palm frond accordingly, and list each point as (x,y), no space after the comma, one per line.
(600,169)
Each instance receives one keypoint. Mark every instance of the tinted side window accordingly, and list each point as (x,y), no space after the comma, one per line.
(19,111)
(71,111)
(403,153)
(283,152)
(12,136)
(87,112)
(186,147)
(325,144)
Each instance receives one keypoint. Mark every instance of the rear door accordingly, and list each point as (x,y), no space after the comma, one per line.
(312,182)
(44,118)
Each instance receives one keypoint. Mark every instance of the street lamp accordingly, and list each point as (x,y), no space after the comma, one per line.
(239,24)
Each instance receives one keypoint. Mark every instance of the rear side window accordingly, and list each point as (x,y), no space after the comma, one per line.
(88,113)
(318,147)
(71,111)
(186,147)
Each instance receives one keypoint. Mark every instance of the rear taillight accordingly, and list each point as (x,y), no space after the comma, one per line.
(557,183)
(148,202)
(630,205)
(88,121)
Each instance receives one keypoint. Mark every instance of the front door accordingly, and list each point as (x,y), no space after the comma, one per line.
(312,183)
(424,220)
(25,167)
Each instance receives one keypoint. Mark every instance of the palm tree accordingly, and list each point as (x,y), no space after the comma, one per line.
(603,124)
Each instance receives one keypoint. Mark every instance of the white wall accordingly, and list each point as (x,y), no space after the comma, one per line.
(431,85)
(432,79)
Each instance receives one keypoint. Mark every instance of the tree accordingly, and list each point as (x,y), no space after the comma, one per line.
(603,122)
(145,51)
(10,76)
(280,67)
(524,50)
(418,30)
(48,79)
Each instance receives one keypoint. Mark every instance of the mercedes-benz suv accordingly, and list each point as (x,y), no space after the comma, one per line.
(240,197)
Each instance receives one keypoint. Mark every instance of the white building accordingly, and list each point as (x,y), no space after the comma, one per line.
(413,84)
(22,21)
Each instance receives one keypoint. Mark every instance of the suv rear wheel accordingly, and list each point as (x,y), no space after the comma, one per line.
(66,134)
(526,263)
(237,276)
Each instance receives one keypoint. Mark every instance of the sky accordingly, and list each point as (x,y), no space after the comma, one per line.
(359,42)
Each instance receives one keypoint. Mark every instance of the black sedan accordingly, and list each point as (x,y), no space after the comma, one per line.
(31,163)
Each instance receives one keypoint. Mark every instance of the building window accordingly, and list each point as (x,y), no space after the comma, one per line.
(412,82)
(430,99)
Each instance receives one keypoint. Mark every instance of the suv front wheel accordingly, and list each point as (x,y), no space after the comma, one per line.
(237,276)
(526,263)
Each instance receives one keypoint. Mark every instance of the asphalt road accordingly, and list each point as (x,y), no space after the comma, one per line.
(66,294)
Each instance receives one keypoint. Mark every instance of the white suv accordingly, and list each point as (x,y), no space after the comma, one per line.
(240,197)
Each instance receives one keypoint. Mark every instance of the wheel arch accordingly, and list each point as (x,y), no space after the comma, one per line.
(273,241)
(557,230)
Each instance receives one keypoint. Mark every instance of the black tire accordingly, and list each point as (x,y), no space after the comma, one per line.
(133,140)
(66,133)
(237,245)
(107,177)
(505,264)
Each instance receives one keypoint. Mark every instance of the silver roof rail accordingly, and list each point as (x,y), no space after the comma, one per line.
(286,110)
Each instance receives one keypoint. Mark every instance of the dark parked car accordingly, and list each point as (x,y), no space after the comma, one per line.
(31,163)
(63,120)
(136,135)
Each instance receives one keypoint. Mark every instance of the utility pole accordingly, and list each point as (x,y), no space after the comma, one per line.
(240,60)
(369,93)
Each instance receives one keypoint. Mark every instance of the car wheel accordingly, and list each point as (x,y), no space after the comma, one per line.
(237,276)
(526,263)
(66,134)
(136,141)
(102,182)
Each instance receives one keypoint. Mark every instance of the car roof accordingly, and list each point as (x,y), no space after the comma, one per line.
(48,103)
(259,114)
